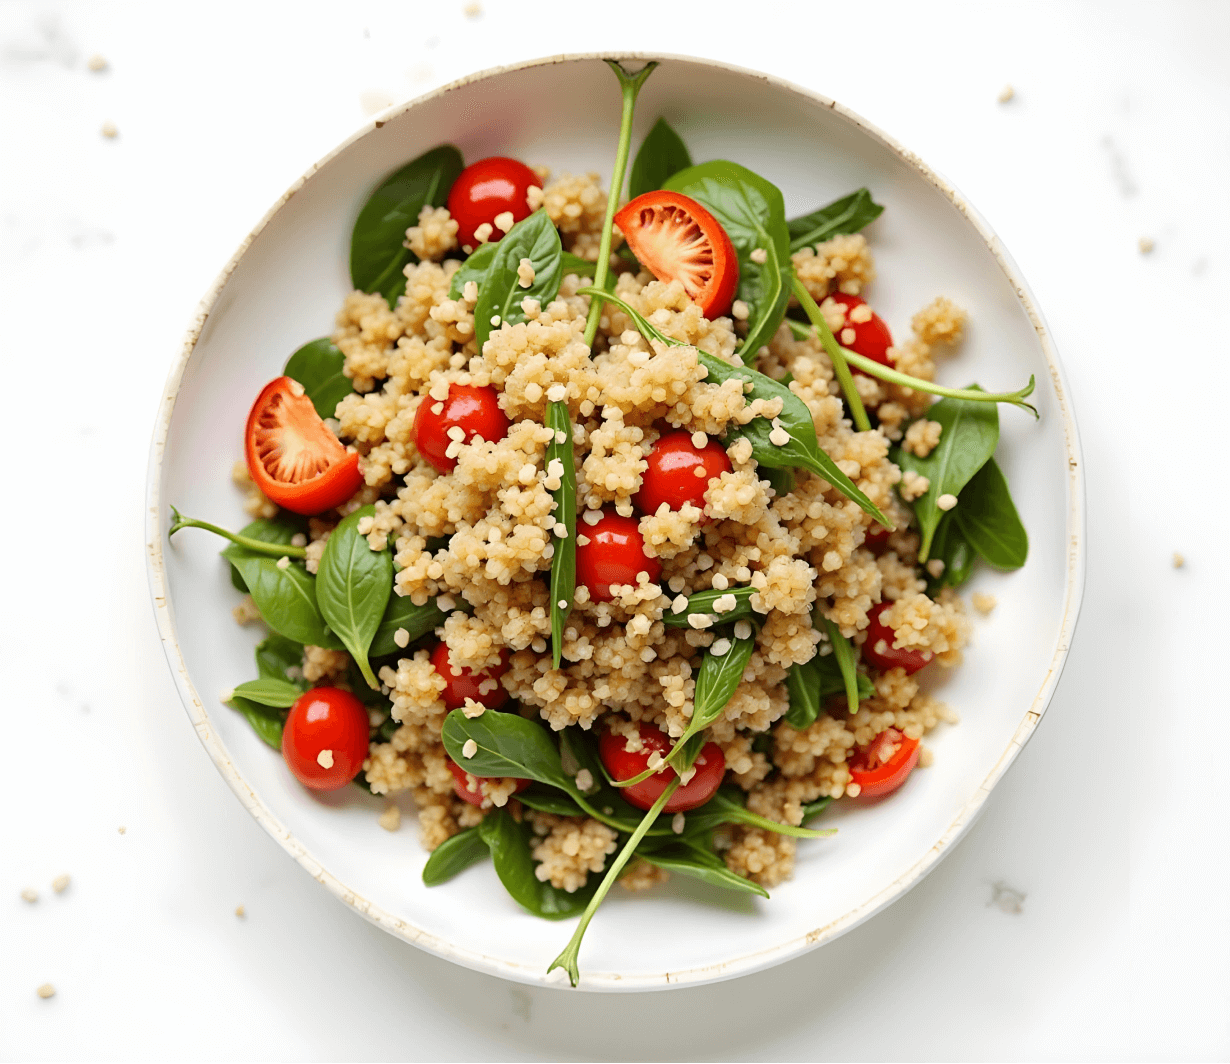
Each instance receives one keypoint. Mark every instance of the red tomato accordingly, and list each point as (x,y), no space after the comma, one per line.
(679,472)
(461,784)
(474,410)
(877,538)
(613,553)
(678,240)
(292,456)
(324,740)
(871,339)
(710,768)
(486,189)
(469,683)
(882,766)
(879,651)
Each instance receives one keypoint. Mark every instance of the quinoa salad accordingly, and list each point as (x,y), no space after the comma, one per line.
(613,526)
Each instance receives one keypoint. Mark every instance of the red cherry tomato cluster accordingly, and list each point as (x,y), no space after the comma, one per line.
(623,764)
(485,190)
(882,766)
(473,410)
(870,338)
(324,739)
(878,648)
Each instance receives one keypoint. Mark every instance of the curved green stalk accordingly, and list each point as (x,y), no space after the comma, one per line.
(256,546)
(844,377)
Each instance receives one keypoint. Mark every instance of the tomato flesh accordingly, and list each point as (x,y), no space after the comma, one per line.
(680,472)
(876,539)
(461,784)
(486,189)
(473,409)
(882,766)
(678,240)
(483,686)
(878,649)
(612,552)
(623,764)
(324,740)
(870,338)
(292,456)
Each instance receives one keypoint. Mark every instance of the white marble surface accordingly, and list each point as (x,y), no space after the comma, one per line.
(1112,823)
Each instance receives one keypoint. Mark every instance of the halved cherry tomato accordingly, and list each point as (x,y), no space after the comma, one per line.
(482,686)
(292,456)
(710,767)
(680,472)
(876,538)
(486,189)
(882,766)
(613,552)
(870,338)
(324,739)
(461,784)
(678,240)
(878,650)
(473,409)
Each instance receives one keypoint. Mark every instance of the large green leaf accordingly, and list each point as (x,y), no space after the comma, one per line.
(500,293)
(509,843)
(846,215)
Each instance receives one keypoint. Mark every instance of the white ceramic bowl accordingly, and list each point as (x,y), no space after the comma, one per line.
(283,287)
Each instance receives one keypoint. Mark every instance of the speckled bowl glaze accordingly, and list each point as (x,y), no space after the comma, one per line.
(283,286)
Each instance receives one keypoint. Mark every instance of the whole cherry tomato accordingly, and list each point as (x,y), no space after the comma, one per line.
(292,456)
(483,686)
(879,651)
(882,766)
(680,472)
(324,739)
(613,552)
(475,410)
(485,190)
(710,767)
(461,784)
(870,338)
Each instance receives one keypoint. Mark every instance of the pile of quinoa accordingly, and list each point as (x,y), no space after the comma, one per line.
(621,663)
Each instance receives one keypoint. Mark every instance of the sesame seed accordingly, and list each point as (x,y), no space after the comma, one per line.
(759,256)
(582,541)
(584,780)
(470,292)
(561,436)
(936,567)
(946,501)
(325,759)
(437,408)
(469,748)
(700,620)
(680,604)
(848,336)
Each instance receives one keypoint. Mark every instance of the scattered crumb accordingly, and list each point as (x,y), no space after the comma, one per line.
(46,991)
(926,757)
(60,883)
(390,819)
(984,604)
(96,64)
(1178,560)
(1146,245)
(1009,899)
(241,912)
(109,130)
(1006,94)
(473,10)
(30,895)
(325,759)
(123,830)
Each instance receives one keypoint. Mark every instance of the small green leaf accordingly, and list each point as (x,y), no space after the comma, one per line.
(280,694)
(318,367)
(509,843)
(661,155)
(988,518)
(843,654)
(571,263)
(702,602)
(814,809)
(690,860)
(266,722)
(473,269)
(508,745)
(500,293)
(564,560)
(401,612)
(951,547)
(455,854)
(285,597)
(846,215)
(275,655)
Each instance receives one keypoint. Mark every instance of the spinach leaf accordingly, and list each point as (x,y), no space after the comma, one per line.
(662,154)
(318,367)
(473,269)
(509,843)
(548,801)
(285,597)
(276,531)
(689,859)
(729,806)
(280,694)
(952,548)
(812,682)
(702,603)
(780,480)
(987,517)
(500,293)
(570,263)
(275,655)
(968,438)
(814,809)
(353,584)
(378,249)
(564,560)
(843,654)
(846,215)
(401,612)
(455,854)
(508,745)
(266,722)
(753,213)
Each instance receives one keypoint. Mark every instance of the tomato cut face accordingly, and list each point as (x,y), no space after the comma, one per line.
(883,765)
(678,240)
(292,456)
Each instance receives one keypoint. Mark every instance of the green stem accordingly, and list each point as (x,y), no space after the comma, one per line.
(609,821)
(844,654)
(257,546)
(630,84)
(892,376)
(844,377)
(568,958)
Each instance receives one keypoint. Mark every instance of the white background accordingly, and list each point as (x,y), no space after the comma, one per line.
(1112,822)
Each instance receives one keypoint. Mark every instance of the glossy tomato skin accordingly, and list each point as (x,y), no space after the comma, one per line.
(325,718)
(291,454)
(486,189)
(469,683)
(613,553)
(680,472)
(883,765)
(461,785)
(878,649)
(710,767)
(871,339)
(474,409)
(678,240)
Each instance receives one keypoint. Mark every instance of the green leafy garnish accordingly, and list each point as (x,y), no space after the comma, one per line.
(988,519)
(500,291)
(846,215)
(455,854)
(318,367)
(662,154)
(564,560)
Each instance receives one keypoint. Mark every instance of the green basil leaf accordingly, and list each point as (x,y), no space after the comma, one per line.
(582,746)
(286,598)
(753,213)
(952,548)
(803,687)
(353,584)
(846,215)
(564,560)
(987,517)
(266,722)
(691,860)
(318,367)
(281,529)
(401,612)
(702,603)
(549,801)
(378,249)
(661,155)
(509,843)
(716,681)
(508,745)
(280,694)
(455,854)
(814,809)
(534,238)
(275,655)
(780,480)
(969,436)
(570,263)
(843,654)
(473,269)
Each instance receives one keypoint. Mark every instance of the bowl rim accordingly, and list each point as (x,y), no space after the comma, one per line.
(613,981)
